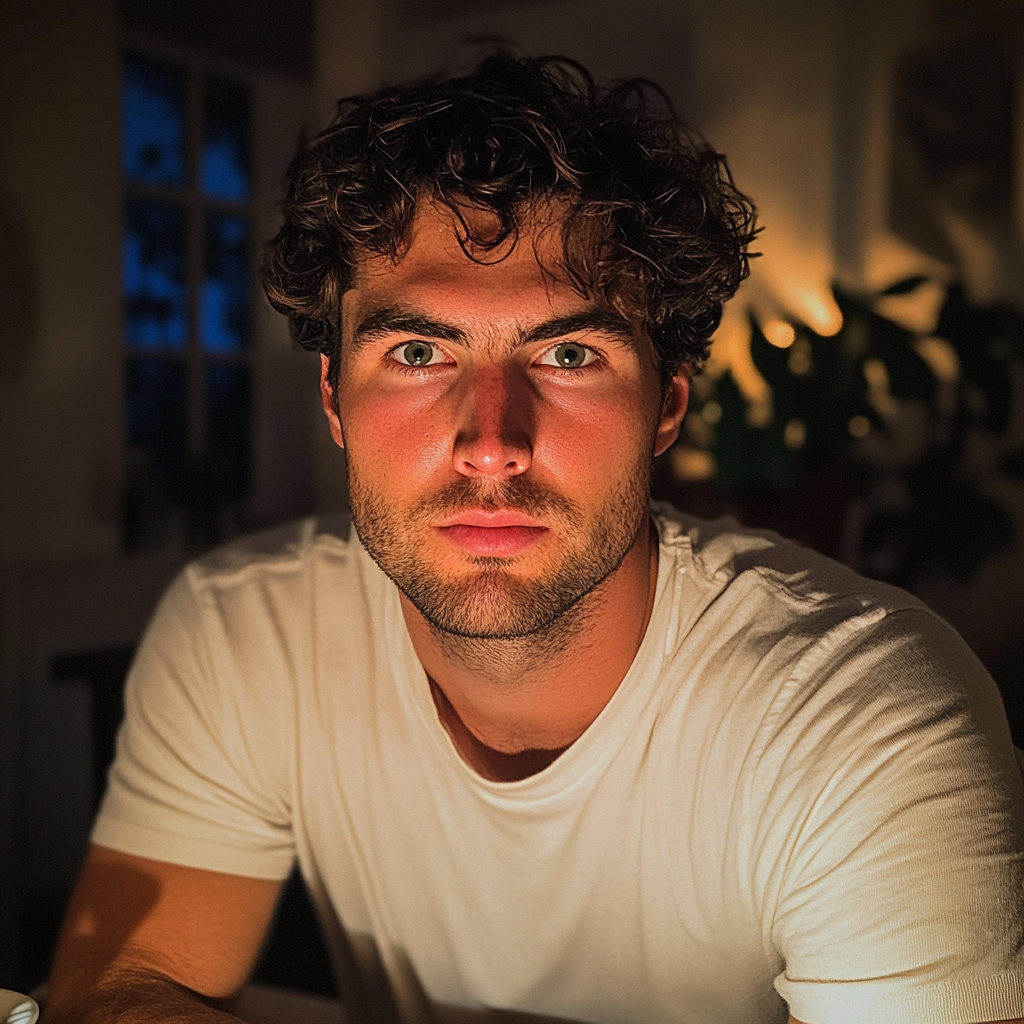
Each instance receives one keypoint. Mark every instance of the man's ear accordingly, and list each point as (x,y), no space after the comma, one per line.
(327,400)
(673,409)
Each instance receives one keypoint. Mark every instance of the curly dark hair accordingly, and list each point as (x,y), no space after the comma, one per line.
(653,225)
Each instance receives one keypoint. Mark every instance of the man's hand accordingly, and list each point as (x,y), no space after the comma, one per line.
(147,941)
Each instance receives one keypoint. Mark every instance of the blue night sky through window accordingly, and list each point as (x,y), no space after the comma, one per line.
(225,295)
(221,173)
(187,275)
(224,170)
(154,274)
(153,122)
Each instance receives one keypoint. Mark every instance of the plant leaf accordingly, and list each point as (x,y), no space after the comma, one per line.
(904,287)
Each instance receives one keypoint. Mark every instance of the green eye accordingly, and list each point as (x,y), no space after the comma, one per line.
(418,353)
(570,356)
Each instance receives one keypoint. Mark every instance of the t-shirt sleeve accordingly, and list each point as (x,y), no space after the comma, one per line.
(200,777)
(896,802)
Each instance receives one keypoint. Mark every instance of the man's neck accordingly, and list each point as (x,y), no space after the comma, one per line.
(512,706)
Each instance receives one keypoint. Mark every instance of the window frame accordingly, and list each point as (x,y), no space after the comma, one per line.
(197,67)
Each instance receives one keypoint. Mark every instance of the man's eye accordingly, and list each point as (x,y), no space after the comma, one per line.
(569,355)
(417,353)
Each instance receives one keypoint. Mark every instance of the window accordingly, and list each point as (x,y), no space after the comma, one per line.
(187,266)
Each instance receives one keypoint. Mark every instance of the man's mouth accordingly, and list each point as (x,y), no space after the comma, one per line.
(497,534)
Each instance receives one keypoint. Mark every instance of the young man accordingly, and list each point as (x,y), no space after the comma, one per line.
(536,749)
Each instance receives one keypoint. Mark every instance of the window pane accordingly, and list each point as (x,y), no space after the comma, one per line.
(224,168)
(228,427)
(153,112)
(157,404)
(154,275)
(226,280)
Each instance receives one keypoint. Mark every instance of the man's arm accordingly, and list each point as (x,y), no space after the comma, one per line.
(149,941)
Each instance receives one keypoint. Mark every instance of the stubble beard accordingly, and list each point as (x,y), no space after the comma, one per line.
(489,601)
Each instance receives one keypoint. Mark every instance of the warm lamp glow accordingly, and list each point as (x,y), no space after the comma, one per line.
(800,361)
(692,463)
(793,290)
(876,374)
(759,414)
(817,308)
(711,413)
(940,356)
(795,434)
(779,333)
(730,352)
(859,426)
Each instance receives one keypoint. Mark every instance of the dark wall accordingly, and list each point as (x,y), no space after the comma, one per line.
(270,35)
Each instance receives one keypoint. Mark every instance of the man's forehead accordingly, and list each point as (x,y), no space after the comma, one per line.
(463,235)
(438,265)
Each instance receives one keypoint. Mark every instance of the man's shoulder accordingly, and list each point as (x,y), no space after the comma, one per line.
(819,654)
(726,556)
(260,596)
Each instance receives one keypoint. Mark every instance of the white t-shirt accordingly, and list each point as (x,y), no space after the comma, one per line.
(803,790)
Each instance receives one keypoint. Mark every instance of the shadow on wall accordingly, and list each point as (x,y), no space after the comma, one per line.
(18,292)
(607,43)
(952,158)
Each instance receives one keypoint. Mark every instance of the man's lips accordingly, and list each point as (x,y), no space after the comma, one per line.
(490,519)
(496,534)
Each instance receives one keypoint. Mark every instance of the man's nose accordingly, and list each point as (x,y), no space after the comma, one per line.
(495,428)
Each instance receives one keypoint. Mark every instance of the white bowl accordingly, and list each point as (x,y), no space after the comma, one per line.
(16,1008)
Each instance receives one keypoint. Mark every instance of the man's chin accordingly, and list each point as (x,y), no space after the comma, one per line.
(491,606)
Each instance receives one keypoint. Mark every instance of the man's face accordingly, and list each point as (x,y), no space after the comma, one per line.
(499,430)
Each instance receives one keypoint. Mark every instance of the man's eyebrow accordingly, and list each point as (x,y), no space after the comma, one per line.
(395,320)
(603,321)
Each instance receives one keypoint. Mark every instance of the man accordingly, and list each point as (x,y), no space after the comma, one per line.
(535,749)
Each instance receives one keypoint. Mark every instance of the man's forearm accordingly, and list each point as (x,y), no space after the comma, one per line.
(142,938)
(134,997)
